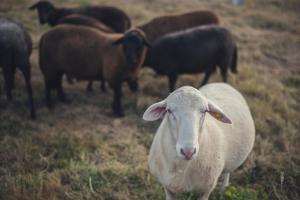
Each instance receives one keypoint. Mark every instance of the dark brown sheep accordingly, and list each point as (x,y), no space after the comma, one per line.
(83,20)
(86,53)
(15,50)
(195,50)
(160,26)
(113,17)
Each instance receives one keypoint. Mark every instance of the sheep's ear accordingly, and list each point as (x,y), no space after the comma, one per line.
(217,113)
(155,111)
(147,43)
(118,41)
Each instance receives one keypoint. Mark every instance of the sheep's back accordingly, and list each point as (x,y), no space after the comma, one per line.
(113,17)
(76,19)
(161,26)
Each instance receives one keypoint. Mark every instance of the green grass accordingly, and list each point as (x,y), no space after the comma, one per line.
(79,151)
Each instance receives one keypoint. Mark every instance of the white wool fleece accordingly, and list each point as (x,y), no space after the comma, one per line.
(214,122)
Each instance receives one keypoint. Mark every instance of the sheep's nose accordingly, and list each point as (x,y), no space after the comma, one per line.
(188,152)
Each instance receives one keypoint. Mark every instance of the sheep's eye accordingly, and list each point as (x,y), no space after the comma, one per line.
(171,115)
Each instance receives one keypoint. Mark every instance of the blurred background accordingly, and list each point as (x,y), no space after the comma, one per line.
(79,151)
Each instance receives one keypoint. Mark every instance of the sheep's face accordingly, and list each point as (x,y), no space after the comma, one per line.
(133,43)
(44,9)
(185,111)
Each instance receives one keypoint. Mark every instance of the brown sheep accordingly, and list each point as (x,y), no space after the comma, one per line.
(160,26)
(83,20)
(86,53)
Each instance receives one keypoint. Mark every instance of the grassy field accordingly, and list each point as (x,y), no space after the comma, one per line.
(79,151)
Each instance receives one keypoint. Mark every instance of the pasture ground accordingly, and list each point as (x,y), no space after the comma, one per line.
(79,151)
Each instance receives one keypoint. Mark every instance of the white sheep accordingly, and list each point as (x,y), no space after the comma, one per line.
(192,149)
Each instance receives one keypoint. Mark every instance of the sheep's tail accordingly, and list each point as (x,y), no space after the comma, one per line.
(234,61)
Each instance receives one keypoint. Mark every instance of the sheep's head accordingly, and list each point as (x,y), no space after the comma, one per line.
(133,43)
(44,9)
(185,110)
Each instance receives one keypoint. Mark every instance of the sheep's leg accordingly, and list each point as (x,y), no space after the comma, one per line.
(207,193)
(169,194)
(48,86)
(69,79)
(225,183)
(8,77)
(224,64)
(133,85)
(172,82)
(224,74)
(13,78)
(60,92)
(204,197)
(89,86)
(116,106)
(206,77)
(26,73)
(103,86)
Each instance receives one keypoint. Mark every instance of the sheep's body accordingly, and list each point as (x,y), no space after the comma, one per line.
(194,50)
(85,54)
(15,42)
(163,25)
(82,20)
(15,49)
(222,147)
(67,39)
(113,17)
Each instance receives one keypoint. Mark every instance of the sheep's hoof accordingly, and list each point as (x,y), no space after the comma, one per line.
(119,114)
(134,90)
(33,115)
(133,86)
(70,81)
(103,89)
(66,101)
(9,97)
(50,106)
(89,89)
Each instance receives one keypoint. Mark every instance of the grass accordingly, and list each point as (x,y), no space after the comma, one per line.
(79,151)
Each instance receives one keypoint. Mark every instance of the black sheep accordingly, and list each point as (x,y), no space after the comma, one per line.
(15,49)
(194,50)
(113,17)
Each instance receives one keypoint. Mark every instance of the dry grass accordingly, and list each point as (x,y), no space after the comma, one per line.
(79,151)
